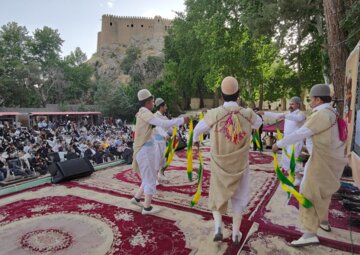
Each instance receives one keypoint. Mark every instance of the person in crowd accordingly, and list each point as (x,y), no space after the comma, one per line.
(39,164)
(230,133)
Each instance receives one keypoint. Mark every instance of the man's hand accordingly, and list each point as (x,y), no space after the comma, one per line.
(186,120)
(260,112)
(196,144)
(275,148)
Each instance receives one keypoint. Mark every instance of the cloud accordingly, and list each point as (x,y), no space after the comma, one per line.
(153,12)
(110,3)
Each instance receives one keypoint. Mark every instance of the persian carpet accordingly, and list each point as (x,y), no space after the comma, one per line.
(94,215)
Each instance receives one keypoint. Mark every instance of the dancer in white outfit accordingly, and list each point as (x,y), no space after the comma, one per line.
(147,155)
(230,178)
(294,119)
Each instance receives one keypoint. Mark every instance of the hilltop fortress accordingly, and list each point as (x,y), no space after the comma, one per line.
(117,35)
(127,30)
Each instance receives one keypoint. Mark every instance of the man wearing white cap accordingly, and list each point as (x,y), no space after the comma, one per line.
(147,155)
(325,165)
(293,120)
(230,130)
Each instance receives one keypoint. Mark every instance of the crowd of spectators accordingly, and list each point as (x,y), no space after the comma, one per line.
(29,151)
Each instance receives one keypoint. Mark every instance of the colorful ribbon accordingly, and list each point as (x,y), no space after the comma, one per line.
(279,135)
(288,186)
(197,195)
(201,137)
(232,129)
(256,138)
(170,150)
(189,152)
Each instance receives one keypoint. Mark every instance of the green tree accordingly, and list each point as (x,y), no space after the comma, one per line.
(45,48)
(117,101)
(15,66)
(77,75)
(329,25)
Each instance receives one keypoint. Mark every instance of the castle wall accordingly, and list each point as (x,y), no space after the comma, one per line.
(123,30)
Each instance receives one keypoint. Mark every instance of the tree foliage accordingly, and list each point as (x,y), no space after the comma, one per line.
(33,73)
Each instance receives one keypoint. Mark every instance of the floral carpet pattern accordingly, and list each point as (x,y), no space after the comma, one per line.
(94,215)
(179,190)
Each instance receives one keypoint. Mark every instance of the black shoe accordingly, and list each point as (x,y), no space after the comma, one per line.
(218,236)
(325,227)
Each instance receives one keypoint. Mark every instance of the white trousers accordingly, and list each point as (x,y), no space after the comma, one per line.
(150,159)
(285,161)
(241,197)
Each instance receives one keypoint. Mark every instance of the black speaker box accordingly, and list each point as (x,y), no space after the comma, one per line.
(70,169)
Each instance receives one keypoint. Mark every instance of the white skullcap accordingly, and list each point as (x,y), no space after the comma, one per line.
(159,101)
(143,94)
(229,85)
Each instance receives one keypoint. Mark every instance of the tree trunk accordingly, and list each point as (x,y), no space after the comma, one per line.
(320,29)
(334,12)
(201,96)
(283,104)
(261,99)
(216,98)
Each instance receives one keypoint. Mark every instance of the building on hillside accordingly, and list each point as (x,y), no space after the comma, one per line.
(124,30)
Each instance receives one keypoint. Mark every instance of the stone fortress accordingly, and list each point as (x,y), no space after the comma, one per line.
(125,31)
(119,34)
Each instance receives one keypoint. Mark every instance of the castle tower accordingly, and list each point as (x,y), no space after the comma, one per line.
(123,30)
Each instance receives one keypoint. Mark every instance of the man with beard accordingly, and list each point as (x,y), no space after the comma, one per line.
(325,166)
(293,120)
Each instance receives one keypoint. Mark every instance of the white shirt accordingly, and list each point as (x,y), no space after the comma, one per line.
(202,127)
(166,123)
(293,120)
(162,131)
(305,133)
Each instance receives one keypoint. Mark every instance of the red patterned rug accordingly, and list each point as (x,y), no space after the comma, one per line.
(94,216)
(178,191)
(56,219)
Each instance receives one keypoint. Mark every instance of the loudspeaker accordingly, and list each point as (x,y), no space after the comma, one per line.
(70,169)
(71,155)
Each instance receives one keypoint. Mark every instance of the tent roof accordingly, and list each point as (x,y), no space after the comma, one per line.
(65,113)
(272,127)
(9,113)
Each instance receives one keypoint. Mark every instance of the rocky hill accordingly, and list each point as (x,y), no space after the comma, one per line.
(108,61)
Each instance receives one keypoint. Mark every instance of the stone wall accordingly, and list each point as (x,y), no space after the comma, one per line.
(208,103)
(125,31)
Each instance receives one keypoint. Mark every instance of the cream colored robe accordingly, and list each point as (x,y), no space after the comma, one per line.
(143,132)
(228,160)
(324,168)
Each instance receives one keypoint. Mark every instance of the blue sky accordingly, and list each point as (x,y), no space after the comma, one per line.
(79,21)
